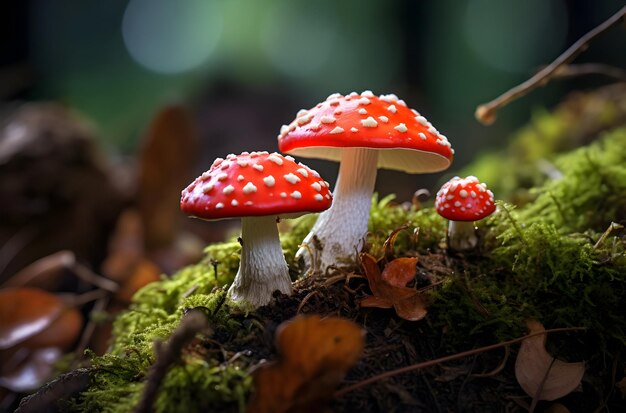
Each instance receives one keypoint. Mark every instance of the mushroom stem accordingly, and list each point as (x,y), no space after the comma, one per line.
(462,235)
(262,269)
(341,229)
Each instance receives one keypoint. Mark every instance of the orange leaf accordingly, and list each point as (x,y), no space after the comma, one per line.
(541,375)
(400,271)
(315,355)
(407,302)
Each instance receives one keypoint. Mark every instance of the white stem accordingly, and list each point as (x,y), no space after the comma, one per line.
(262,269)
(462,235)
(341,229)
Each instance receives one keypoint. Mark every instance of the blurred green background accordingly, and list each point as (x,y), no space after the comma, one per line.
(245,67)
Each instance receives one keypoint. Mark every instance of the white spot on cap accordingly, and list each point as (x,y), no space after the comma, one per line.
(207,188)
(258,167)
(234,202)
(334,102)
(422,136)
(388,98)
(473,194)
(401,102)
(217,161)
(304,120)
(231,156)
(333,96)
(269,181)
(291,178)
(337,130)
(316,186)
(338,112)
(296,195)
(422,120)
(353,129)
(362,111)
(249,188)
(314,126)
(392,108)
(328,119)
(383,119)
(468,205)
(248,203)
(219,205)
(364,101)
(222,176)
(275,158)
(240,178)
(463,193)
(370,122)
(457,204)
(401,128)
(301,112)
(283,194)
(367,94)
(449,197)
(242,163)
(303,172)
(228,190)
(318,197)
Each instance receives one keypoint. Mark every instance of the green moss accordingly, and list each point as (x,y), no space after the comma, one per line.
(538,260)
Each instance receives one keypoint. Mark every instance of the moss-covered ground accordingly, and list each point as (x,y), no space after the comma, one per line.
(545,259)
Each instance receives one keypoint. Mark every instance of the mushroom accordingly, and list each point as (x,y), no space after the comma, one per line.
(363,132)
(260,188)
(463,201)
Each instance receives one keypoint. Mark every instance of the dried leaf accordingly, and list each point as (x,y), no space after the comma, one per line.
(25,312)
(400,271)
(166,161)
(541,375)
(388,245)
(315,355)
(407,302)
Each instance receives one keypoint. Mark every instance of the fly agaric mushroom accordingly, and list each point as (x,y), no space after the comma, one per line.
(258,187)
(364,132)
(463,201)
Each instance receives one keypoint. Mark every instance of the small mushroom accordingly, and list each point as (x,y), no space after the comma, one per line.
(364,132)
(463,201)
(260,188)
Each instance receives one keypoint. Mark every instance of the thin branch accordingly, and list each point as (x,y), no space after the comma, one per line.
(46,398)
(586,69)
(192,323)
(486,113)
(430,363)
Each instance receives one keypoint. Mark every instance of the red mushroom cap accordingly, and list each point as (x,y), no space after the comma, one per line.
(409,142)
(255,184)
(464,199)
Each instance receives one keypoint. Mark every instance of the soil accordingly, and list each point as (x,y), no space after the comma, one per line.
(484,383)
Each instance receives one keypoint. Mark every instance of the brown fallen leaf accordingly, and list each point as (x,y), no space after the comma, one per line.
(388,245)
(315,355)
(540,375)
(400,271)
(36,329)
(26,312)
(408,303)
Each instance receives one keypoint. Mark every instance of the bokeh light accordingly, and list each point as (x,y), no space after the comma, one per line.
(516,35)
(299,37)
(171,37)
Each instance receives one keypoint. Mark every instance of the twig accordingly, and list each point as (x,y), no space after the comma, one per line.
(46,397)
(304,301)
(192,323)
(85,337)
(612,227)
(430,363)
(585,69)
(486,113)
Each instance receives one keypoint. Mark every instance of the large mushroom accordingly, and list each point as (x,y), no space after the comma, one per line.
(463,201)
(364,132)
(260,188)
